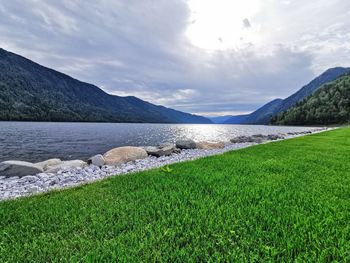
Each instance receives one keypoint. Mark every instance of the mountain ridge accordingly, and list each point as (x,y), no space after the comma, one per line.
(219,119)
(330,104)
(237,119)
(32,92)
(264,114)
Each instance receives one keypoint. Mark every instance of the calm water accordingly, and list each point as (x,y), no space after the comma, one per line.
(30,141)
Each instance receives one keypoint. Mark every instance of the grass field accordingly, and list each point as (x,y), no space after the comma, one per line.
(282,201)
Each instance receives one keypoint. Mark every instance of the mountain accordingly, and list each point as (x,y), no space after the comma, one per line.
(237,119)
(31,92)
(219,119)
(330,104)
(328,76)
(264,114)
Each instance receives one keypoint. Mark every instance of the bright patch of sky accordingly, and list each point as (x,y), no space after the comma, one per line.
(209,57)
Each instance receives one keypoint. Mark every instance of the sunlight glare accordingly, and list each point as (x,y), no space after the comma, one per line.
(222,24)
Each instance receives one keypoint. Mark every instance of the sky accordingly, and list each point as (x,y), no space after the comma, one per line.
(208,57)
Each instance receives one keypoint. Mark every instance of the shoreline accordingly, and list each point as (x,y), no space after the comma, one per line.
(36,142)
(17,187)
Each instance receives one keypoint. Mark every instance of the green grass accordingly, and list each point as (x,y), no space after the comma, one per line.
(283,201)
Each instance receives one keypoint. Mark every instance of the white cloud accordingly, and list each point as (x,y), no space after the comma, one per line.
(143,48)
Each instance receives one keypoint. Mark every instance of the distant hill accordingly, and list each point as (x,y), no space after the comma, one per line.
(31,92)
(220,119)
(264,114)
(238,119)
(330,104)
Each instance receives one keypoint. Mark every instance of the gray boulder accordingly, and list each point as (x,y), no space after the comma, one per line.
(186,144)
(51,162)
(243,139)
(124,154)
(65,165)
(256,138)
(177,150)
(162,150)
(150,149)
(204,145)
(274,137)
(18,168)
(97,160)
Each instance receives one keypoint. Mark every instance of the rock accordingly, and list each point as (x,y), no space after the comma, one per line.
(167,149)
(242,139)
(257,138)
(150,149)
(210,145)
(124,154)
(97,160)
(166,144)
(273,137)
(177,150)
(50,162)
(185,144)
(65,165)
(162,150)
(18,168)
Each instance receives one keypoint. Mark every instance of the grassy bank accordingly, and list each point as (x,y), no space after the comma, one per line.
(282,201)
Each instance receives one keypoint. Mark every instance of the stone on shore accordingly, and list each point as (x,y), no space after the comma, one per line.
(51,162)
(65,165)
(244,139)
(204,145)
(124,154)
(257,138)
(18,168)
(162,150)
(186,144)
(274,137)
(177,150)
(97,160)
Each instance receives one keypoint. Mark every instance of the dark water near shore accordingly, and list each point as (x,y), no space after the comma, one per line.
(33,141)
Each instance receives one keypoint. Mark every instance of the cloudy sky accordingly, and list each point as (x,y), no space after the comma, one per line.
(209,57)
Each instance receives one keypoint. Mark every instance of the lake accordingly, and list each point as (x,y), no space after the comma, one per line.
(37,141)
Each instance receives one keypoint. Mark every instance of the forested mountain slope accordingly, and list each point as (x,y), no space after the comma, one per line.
(31,92)
(328,105)
(264,114)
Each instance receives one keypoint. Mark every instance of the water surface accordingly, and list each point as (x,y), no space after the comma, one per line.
(37,141)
